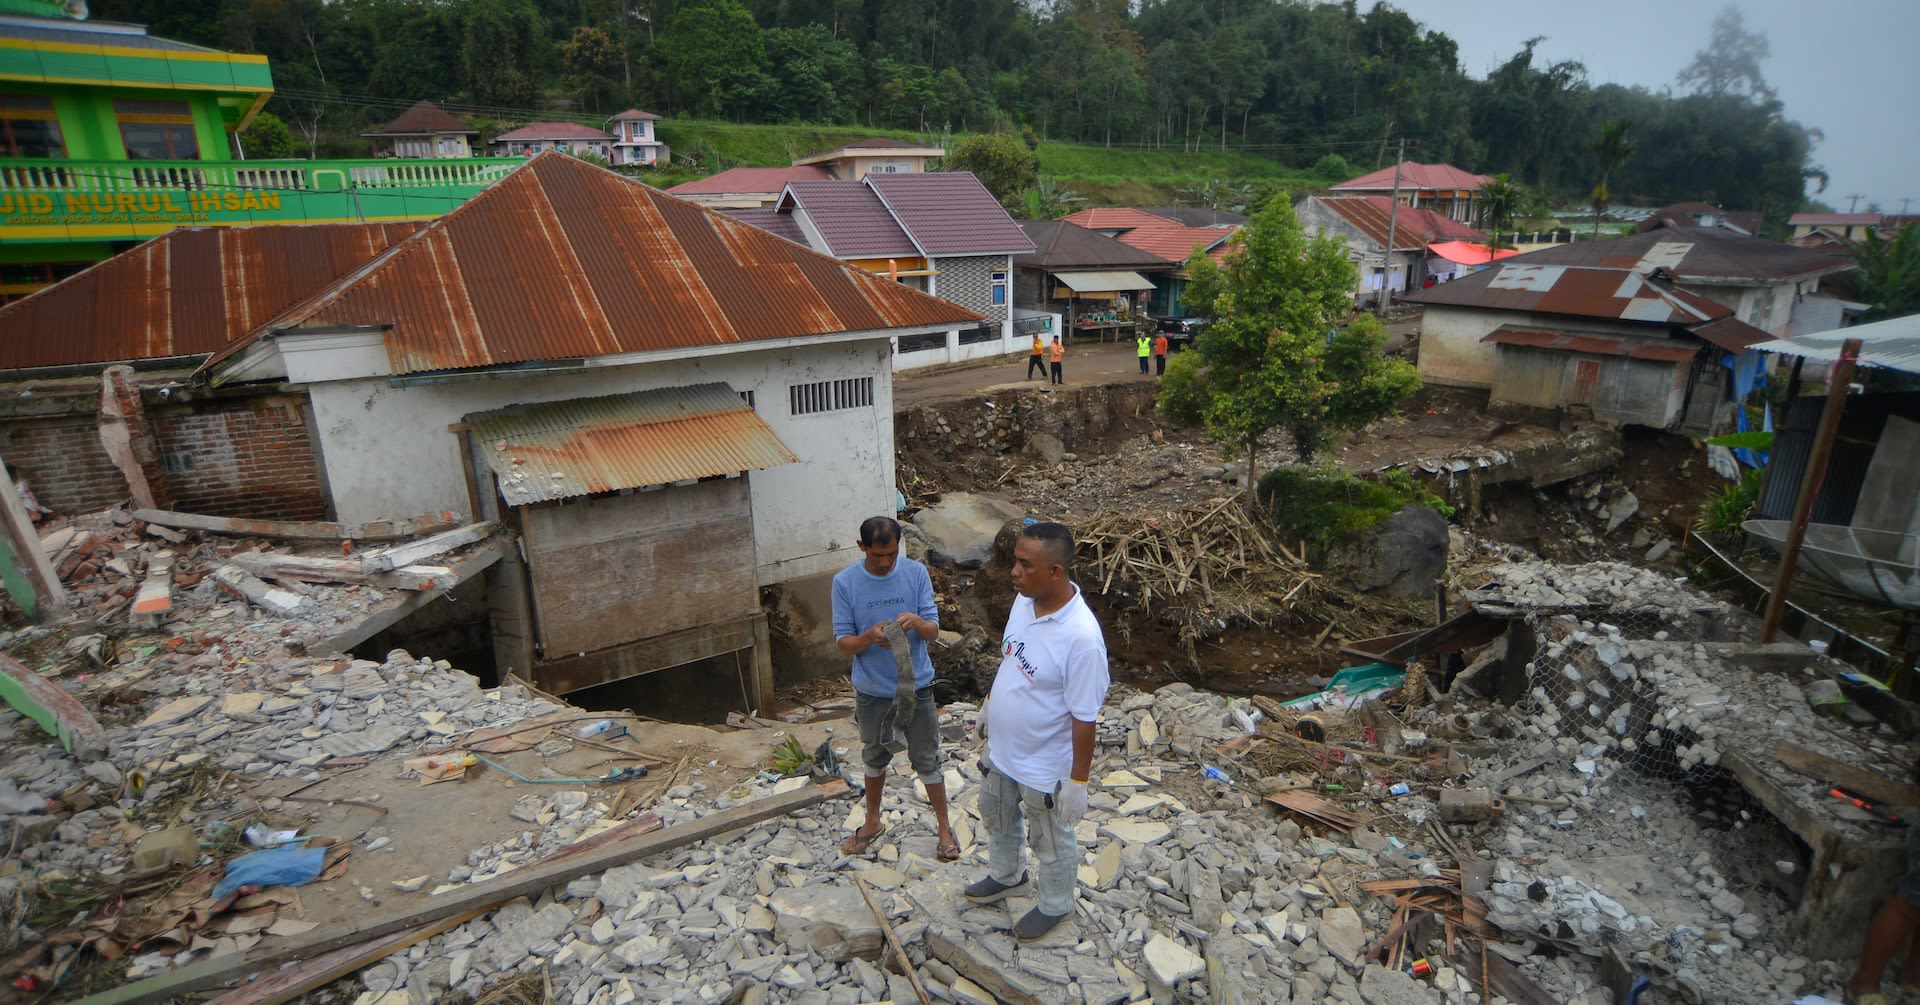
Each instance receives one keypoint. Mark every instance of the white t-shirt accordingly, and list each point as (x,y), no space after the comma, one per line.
(1053,670)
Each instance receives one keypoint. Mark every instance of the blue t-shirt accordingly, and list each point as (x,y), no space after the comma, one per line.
(862,600)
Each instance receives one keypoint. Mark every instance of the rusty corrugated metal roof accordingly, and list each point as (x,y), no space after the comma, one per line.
(586,446)
(564,260)
(1612,293)
(1413,229)
(1705,254)
(1731,334)
(188,292)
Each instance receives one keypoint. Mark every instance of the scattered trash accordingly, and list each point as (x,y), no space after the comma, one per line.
(595,728)
(275,867)
(1216,774)
(260,835)
(162,850)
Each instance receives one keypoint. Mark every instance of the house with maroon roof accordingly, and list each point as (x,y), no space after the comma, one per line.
(940,232)
(1421,254)
(424,130)
(1163,233)
(746,187)
(1623,343)
(634,140)
(564,137)
(1442,188)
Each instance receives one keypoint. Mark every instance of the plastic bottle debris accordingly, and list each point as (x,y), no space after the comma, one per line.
(260,835)
(1242,715)
(1399,789)
(1216,774)
(595,728)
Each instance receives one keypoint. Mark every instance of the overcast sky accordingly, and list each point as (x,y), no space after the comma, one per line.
(1842,66)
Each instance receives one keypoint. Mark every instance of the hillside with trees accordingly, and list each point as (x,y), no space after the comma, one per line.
(1291,81)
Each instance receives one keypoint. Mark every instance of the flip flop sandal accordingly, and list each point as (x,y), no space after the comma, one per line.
(949,852)
(858,843)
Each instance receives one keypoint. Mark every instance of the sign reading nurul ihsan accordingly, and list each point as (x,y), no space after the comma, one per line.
(101,207)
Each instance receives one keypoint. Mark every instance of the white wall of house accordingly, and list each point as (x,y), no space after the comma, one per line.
(1452,353)
(387,452)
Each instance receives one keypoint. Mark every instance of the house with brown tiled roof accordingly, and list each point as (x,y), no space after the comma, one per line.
(1366,223)
(565,137)
(939,232)
(1442,188)
(424,130)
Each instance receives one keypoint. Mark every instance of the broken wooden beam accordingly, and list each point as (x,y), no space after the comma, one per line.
(400,555)
(53,708)
(525,881)
(302,530)
(244,585)
(1831,771)
(319,569)
(29,577)
(156,592)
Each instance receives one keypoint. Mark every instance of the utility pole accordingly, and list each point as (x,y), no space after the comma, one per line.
(1393,220)
(1852,201)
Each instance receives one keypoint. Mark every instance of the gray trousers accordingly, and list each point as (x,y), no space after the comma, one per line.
(1015,814)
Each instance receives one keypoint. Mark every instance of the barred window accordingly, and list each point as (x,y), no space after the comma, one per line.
(830,395)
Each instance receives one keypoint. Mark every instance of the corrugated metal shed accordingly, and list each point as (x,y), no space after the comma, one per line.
(1521,284)
(564,260)
(1413,229)
(188,292)
(585,446)
(1893,344)
(950,213)
(1707,254)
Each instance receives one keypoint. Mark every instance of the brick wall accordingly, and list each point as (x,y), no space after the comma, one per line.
(248,457)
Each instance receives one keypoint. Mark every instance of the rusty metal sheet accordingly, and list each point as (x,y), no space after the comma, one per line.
(1700,253)
(586,446)
(1373,215)
(188,292)
(564,260)
(1525,284)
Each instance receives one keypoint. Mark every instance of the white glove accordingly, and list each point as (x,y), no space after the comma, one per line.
(980,720)
(1070,801)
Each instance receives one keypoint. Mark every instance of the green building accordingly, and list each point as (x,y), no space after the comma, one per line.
(109,136)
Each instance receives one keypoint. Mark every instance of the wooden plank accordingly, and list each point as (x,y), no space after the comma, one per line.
(469,566)
(1502,978)
(412,552)
(1822,768)
(28,574)
(893,940)
(1309,805)
(522,882)
(303,530)
(320,569)
(565,676)
(322,970)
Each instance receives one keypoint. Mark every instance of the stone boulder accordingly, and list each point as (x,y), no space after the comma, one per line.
(1046,447)
(1400,558)
(821,917)
(960,528)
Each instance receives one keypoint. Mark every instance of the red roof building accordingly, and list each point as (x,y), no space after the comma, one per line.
(1365,222)
(1443,188)
(747,187)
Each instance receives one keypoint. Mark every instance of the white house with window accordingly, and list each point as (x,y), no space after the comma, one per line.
(560,137)
(634,140)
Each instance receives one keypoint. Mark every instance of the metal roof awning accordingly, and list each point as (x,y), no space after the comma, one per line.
(1893,344)
(583,446)
(1732,334)
(1104,282)
(1593,345)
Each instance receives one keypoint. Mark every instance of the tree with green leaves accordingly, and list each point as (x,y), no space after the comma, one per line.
(1610,151)
(590,64)
(1001,162)
(1888,273)
(267,138)
(1275,357)
(1500,199)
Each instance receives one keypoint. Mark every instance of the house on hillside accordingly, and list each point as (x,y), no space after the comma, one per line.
(1072,269)
(1366,222)
(1769,285)
(1441,188)
(1626,344)
(424,130)
(671,410)
(1686,215)
(942,233)
(1159,235)
(855,161)
(746,187)
(166,306)
(564,137)
(634,140)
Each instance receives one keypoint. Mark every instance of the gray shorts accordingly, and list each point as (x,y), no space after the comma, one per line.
(923,736)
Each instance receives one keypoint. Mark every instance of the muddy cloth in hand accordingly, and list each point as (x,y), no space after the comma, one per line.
(893,728)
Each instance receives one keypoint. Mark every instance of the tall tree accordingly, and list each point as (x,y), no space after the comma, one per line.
(1001,162)
(591,64)
(1275,357)
(1730,64)
(1610,151)
(1888,276)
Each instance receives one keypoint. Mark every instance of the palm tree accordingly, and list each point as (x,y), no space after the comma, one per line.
(1499,200)
(1609,151)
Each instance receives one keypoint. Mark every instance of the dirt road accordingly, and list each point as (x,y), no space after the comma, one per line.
(1086,363)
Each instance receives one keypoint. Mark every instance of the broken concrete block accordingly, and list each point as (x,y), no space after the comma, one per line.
(1342,934)
(1172,962)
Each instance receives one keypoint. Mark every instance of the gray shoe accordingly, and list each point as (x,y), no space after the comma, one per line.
(990,890)
(1035,925)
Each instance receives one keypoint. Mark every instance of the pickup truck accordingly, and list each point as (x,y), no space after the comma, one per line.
(1180,332)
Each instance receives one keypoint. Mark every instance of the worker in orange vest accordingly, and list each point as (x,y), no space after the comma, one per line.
(1160,355)
(1037,361)
(1059,353)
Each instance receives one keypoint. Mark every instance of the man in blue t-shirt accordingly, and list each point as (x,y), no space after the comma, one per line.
(886,588)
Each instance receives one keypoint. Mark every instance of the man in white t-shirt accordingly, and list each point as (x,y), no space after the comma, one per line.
(1039,726)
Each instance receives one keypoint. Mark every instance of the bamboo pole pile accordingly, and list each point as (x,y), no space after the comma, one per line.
(1200,567)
